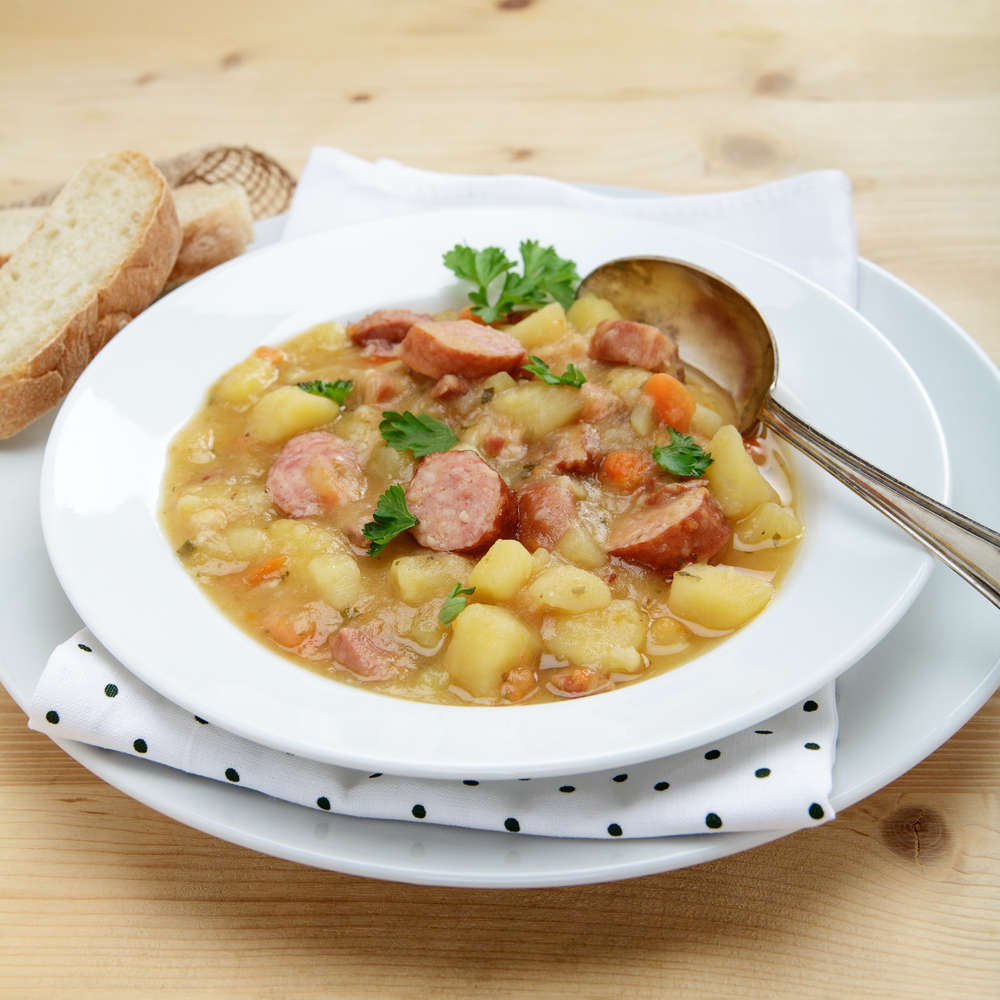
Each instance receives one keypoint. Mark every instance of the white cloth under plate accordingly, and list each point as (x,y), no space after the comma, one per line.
(772,777)
(775,776)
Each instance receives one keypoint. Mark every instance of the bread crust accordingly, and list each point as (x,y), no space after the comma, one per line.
(41,381)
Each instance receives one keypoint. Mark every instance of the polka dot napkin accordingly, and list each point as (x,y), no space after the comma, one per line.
(776,776)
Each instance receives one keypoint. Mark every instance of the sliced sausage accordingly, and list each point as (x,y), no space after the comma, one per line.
(461,503)
(459,347)
(544,512)
(670,529)
(623,342)
(385,324)
(577,450)
(366,654)
(315,473)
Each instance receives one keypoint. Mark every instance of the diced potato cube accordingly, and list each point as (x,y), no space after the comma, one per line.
(500,382)
(589,310)
(245,382)
(626,381)
(388,464)
(301,541)
(545,326)
(502,572)
(717,597)
(642,418)
(486,643)
(288,411)
(598,638)
(539,560)
(325,336)
(428,575)
(337,577)
(569,588)
(578,546)
(247,543)
(426,629)
(666,636)
(733,477)
(769,526)
(360,428)
(705,421)
(538,409)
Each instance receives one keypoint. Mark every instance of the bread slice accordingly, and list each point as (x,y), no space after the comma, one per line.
(216,222)
(217,225)
(100,255)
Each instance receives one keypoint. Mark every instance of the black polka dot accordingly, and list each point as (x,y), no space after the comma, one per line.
(84,647)
(620,778)
(419,811)
(524,779)
(232,774)
(200,720)
(713,821)
(816,811)
(811,746)
(139,746)
(810,706)
(52,716)
(376,774)
(512,824)
(111,690)
(615,830)
(662,786)
(323,802)
(713,755)
(470,781)
(764,732)
(567,788)
(762,772)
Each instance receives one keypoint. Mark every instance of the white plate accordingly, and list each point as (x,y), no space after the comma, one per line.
(897,705)
(853,578)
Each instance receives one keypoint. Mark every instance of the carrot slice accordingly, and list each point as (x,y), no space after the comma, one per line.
(627,470)
(269,569)
(672,403)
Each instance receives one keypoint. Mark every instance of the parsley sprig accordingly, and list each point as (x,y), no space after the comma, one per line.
(683,456)
(572,376)
(391,517)
(415,432)
(454,604)
(337,391)
(546,276)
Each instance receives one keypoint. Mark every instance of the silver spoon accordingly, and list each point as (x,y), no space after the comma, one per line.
(719,332)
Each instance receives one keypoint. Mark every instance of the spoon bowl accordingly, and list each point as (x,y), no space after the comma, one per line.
(721,333)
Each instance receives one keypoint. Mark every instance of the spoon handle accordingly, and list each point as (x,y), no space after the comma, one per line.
(971,549)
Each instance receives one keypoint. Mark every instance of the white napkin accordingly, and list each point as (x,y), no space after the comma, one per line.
(776,776)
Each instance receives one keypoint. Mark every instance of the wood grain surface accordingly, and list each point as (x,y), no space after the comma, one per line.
(897,898)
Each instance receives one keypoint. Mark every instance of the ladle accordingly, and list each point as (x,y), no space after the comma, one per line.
(720,333)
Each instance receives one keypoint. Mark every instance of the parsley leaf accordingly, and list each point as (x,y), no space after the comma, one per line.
(415,432)
(390,518)
(454,604)
(337,391)
(683,456)
(572,376)
(546,276)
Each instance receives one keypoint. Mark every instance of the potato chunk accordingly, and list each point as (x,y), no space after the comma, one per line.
(717,597)
(246,382)
(337,578)
(578,546)
(423,577)
(705,421)
(502,572)
(539,409)
(545,326)
(569,588)
(769,526)
(589,310)
(486,643)
(733,477)
(288,411)
(609,638)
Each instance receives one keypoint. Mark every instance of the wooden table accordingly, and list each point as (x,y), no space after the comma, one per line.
(900,896)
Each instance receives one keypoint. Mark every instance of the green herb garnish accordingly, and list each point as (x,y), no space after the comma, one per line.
(572,376)
(390,518)
(454,604)
(415,432)
(546,277)
(683,456)
(337,391)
